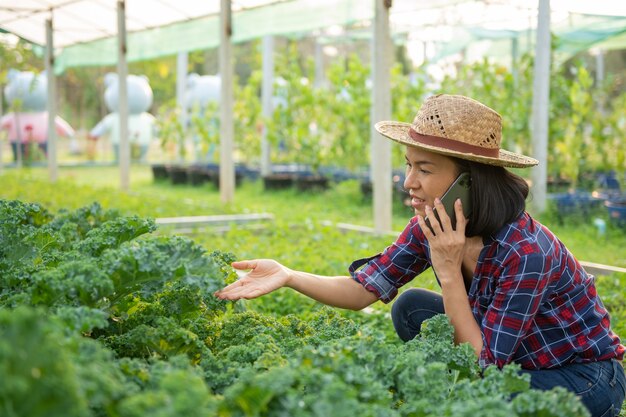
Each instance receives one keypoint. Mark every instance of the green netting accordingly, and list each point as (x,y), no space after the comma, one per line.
(580,33)
(587,31)
(279,19)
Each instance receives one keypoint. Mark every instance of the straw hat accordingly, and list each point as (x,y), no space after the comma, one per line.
(456,126)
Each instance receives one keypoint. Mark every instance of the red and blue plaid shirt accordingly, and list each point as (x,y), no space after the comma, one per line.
(533,301)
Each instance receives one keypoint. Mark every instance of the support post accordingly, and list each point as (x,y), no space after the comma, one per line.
(122,73)
(227,166)
(541,106)
(381,110)
(514,57)
(599,67)
(51,103)
(319,64)
(267,92)
(182,61)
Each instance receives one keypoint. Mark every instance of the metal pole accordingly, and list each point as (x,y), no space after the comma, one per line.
(514,56)
(122,72)
(20,140)
(1,113)
(227,166)
(599,67)
(381,110)
(319,64)
(51,103)
(267,92)
(182,62)
(541,106)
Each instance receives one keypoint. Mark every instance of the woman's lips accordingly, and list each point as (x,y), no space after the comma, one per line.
(417,203)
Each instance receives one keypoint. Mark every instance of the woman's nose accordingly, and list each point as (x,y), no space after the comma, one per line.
(410,181)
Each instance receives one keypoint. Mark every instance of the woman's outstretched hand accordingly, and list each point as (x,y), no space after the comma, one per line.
(266,275)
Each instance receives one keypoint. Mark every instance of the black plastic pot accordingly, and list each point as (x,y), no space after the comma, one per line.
(215,178)
(311,183)
(159,172)
(178,174)
(198,175)
(278,181)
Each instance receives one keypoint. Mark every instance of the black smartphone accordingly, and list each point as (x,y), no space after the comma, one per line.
(460,188)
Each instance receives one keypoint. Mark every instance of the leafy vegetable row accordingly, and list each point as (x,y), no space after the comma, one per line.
(100,317)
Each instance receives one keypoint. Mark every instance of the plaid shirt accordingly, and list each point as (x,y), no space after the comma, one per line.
(534,303)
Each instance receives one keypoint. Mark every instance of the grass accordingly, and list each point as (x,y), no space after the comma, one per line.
(343,203)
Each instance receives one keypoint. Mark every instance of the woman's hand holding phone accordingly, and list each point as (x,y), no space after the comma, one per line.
(447,243)
(459,189)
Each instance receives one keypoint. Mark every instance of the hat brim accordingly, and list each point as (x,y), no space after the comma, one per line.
(399,132)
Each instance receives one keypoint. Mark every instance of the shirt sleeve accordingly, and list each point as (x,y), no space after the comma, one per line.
(521,287)
(6,121)
(398,264)
(63,127)
(103,127)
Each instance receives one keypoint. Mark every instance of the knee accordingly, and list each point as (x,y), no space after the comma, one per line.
(417,297)
(402,305)
(413,307)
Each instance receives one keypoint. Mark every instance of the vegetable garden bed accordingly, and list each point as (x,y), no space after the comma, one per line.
(99,318)
(166,347)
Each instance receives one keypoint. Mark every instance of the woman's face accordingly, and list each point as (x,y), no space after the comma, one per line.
(428,175)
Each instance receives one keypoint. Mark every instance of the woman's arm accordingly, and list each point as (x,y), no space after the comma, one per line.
(458,310)
(447,247)
(343,292)
(267,275)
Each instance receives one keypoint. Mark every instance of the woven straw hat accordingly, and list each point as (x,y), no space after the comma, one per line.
(456,126)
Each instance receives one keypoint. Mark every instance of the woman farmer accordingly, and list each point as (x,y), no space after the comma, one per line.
(510,288)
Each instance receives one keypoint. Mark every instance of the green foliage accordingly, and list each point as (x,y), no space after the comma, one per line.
(160,329)
(297,129)
(614,133)
(46,373)
(204,129)
(171,131)
(247,119)
(576,129)
(20,56)
(612,289)
(174,388)
(367,375)
(348,112)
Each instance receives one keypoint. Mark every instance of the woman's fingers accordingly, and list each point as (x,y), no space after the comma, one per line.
(234,289)
(237,284)
(444,219)
(264,276)
(244,264)
(461,221)
(433,219)
(239,265)
(245,290)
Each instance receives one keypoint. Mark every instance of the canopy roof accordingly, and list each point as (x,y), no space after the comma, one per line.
(85,30)
(81,21)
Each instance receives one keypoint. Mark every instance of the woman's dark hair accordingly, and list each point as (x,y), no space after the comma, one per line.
(498,197)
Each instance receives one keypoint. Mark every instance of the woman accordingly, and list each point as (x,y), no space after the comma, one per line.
(510,288)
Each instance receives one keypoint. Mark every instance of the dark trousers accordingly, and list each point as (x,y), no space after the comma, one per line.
(601,386)
(24,146)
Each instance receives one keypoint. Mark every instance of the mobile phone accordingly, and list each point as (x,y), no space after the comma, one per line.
(460,188)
